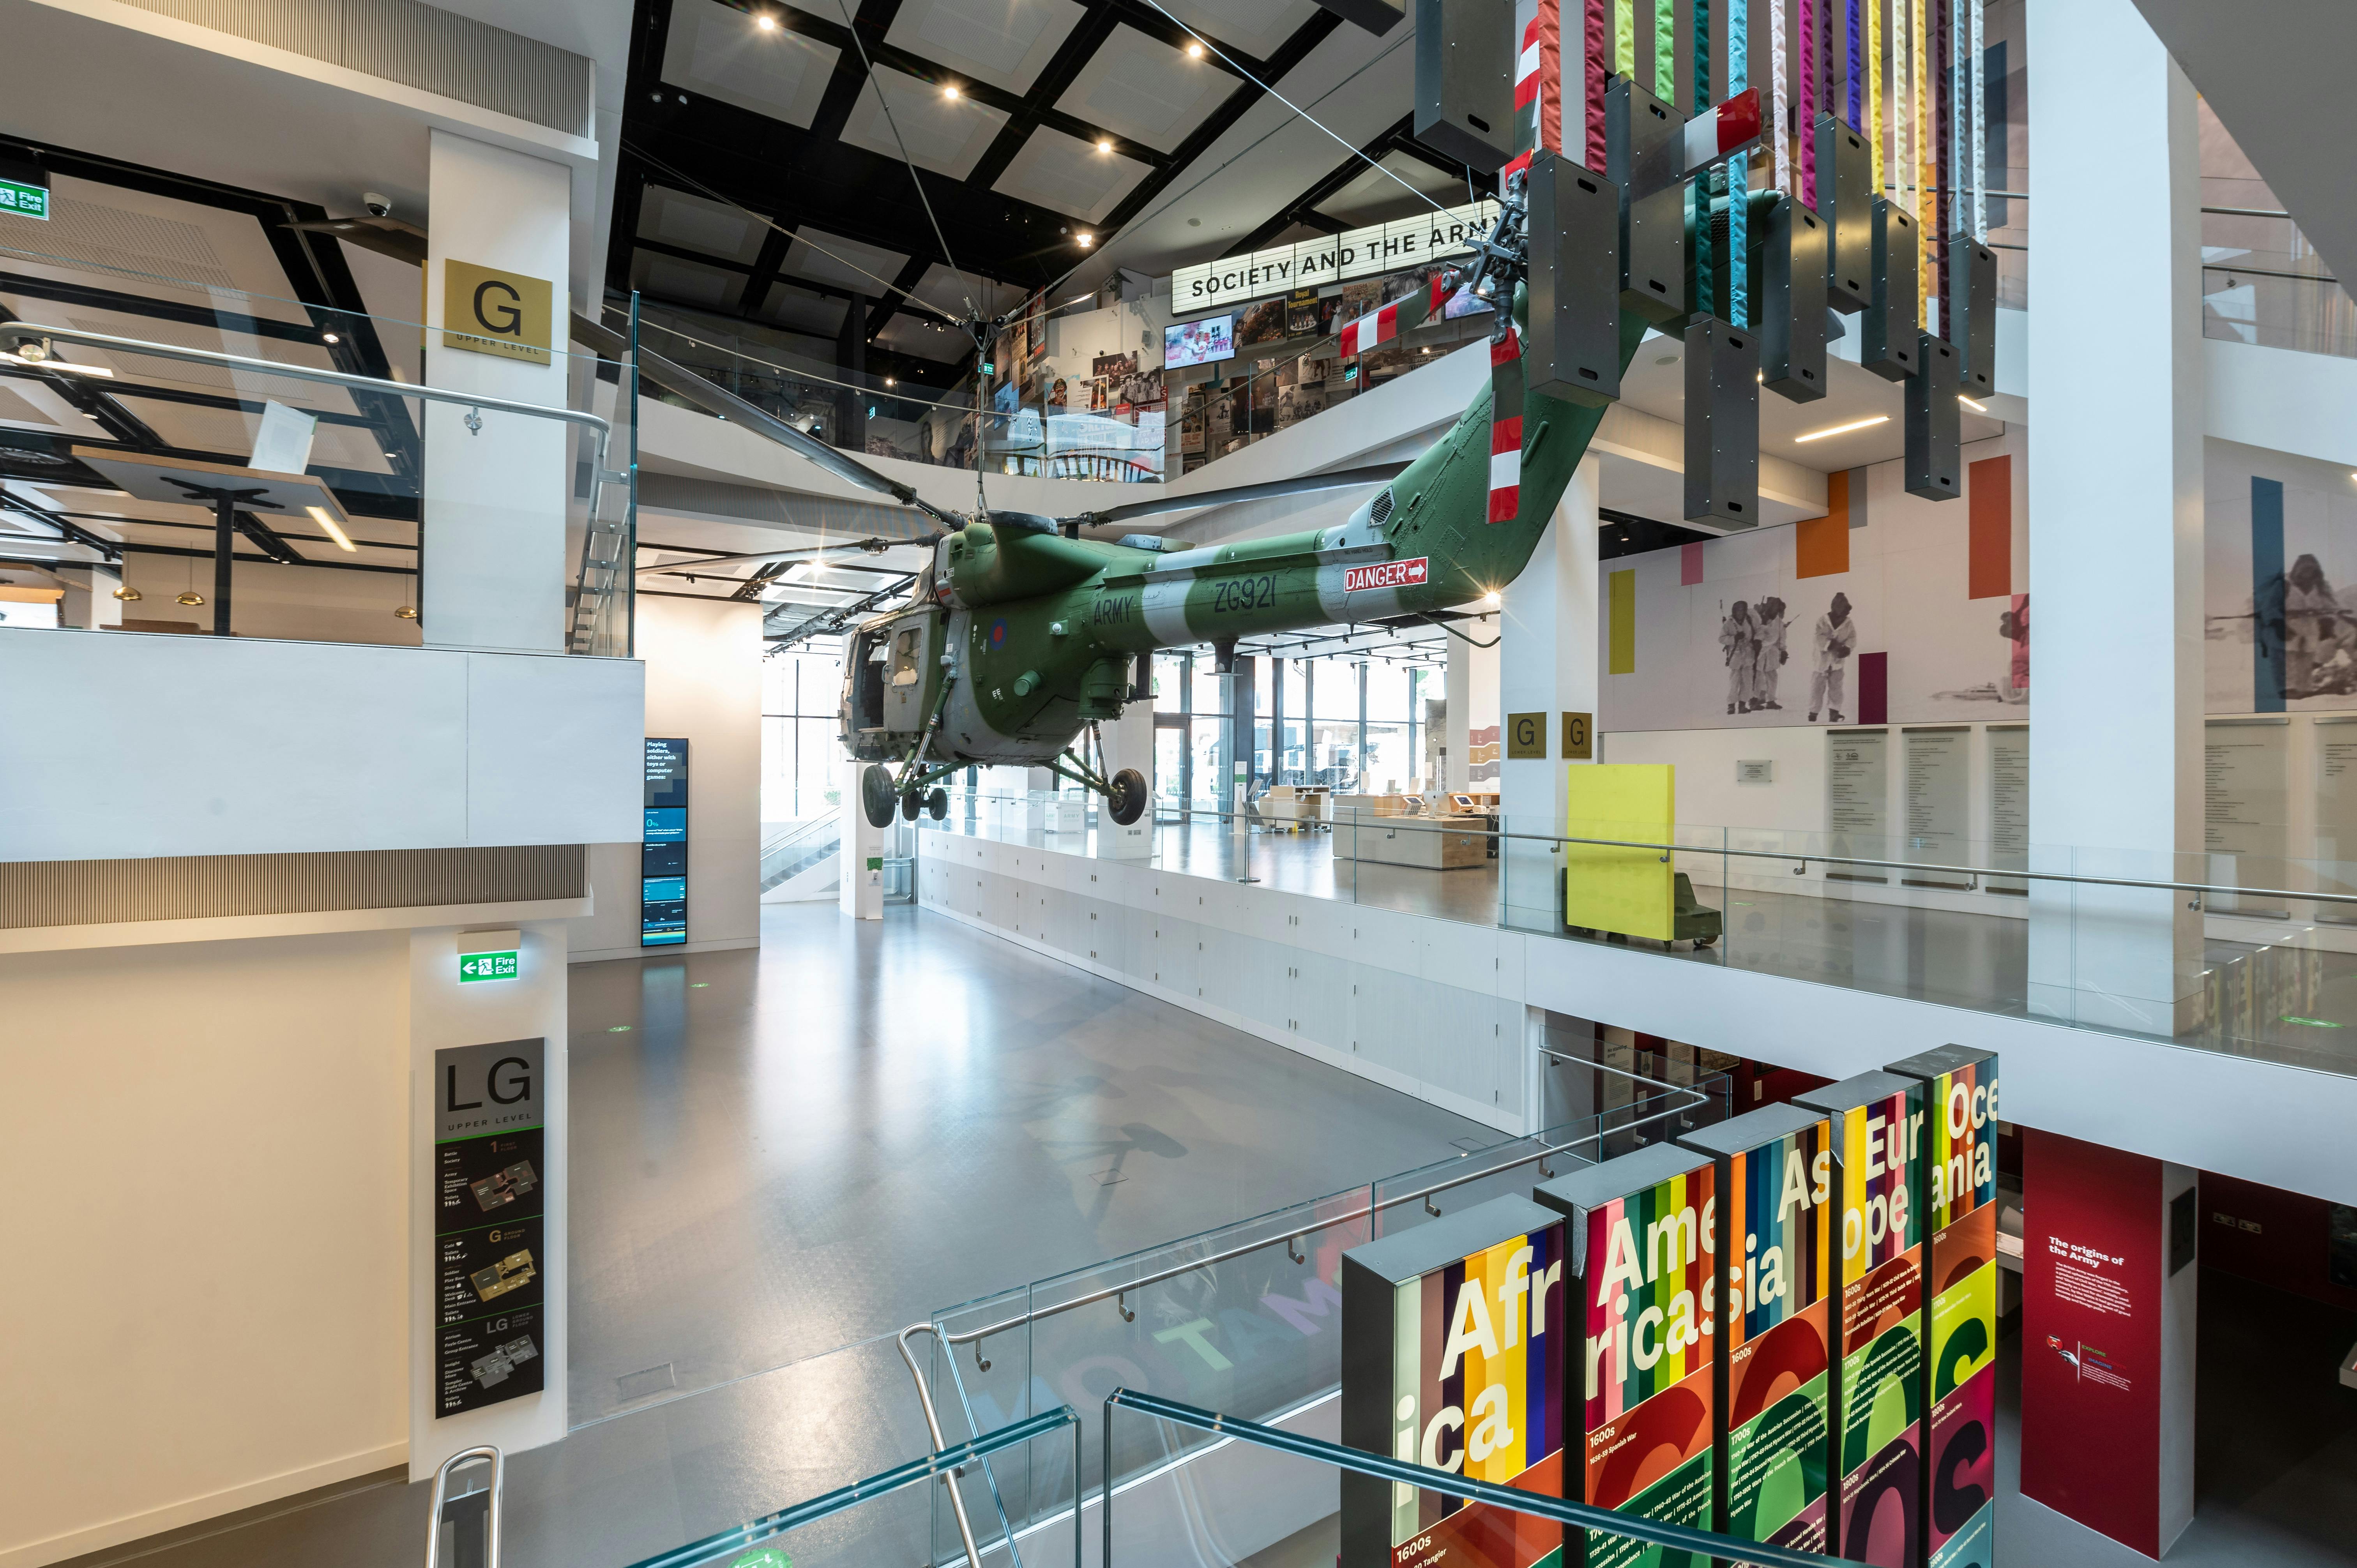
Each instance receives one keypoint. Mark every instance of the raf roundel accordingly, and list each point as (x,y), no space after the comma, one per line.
(998,635)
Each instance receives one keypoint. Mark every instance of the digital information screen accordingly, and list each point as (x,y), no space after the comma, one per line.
(662,849)
(1201,342)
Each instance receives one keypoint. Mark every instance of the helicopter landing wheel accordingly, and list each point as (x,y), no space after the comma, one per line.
(910,804)
(1126,799)
(876,796)
(937,804)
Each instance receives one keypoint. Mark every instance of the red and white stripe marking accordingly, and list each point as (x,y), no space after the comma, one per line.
(1721,129)
(1505,441)
(1378,327)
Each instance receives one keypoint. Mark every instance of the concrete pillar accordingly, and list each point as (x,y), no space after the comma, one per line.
(2110,1299)
(860,893)
(1473,707)
(446,1014)
(493,566)
(1546,665)
(89,602)
(2115,503)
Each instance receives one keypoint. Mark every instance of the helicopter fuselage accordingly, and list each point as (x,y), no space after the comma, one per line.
(1021,639)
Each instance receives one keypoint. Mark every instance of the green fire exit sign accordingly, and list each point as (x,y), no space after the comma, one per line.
(474,966)
(25,200)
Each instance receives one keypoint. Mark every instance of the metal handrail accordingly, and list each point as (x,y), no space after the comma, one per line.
(24,331)
(1423,1194)
(933,1425)
(1702,1543)
(1801,859)
(917,1471)
(441,1495)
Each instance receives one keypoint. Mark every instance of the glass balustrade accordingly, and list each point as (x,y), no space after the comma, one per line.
(194,458)
(2251,954)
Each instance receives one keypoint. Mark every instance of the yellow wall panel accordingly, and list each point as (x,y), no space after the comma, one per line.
(1632,891)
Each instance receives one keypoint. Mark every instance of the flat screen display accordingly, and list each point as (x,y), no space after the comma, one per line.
(1203,342)
(662,853)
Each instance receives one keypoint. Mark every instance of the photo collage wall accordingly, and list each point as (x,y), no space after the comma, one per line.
(1887,609)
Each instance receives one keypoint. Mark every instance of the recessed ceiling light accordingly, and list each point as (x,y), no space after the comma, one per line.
(1968,403)
(950,90)
(343,541)
(1088,240)
(329,338)
(1845,429)
(1104,146)
(1194,51)
(766,22)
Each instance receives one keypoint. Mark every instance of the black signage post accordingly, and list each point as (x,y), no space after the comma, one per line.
(490,1238)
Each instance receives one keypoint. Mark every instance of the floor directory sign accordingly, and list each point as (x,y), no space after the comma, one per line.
(1454,1356)
(490,1243)
(1775,1186)
(662,850)
(1643,1386)
(1878,1135)
(1960,1293)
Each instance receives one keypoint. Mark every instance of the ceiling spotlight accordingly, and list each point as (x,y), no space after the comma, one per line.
(1194,51)
(1088,240)
(1845,429)
(1489,600)
(950,90)
(766,22)
(1104,146)
(889,381)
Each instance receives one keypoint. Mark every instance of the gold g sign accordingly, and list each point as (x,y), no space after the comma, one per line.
(485,311)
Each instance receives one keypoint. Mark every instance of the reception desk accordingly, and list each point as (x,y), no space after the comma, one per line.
(1429,844)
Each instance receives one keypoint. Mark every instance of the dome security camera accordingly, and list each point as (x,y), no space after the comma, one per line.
(379,204)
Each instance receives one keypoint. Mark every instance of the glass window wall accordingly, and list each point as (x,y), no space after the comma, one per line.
(802,745)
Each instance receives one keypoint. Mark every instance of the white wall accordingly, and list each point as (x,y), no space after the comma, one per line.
(206,1151)
(703,660)
(161,744)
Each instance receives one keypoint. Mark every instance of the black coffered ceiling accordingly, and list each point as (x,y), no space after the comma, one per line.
(811,178)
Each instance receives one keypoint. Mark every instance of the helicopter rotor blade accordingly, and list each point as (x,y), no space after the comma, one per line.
(720,401)
(870,546)
(1341,478)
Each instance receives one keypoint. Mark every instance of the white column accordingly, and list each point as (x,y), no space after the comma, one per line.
(89,602)
(860,892)
(1546,665)
(1128,743)
(2116,506)
(494,565)
(445,1014)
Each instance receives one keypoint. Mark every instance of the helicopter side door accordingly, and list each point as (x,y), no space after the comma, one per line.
(911,671)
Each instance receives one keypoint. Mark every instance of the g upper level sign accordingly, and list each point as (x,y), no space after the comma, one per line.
(487,311)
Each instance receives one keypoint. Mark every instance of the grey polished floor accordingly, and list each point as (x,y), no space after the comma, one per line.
(2275,999)
(863,1123)
(782,1155)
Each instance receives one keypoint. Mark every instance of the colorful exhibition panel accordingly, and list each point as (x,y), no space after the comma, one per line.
(1638,1288)
(1959,1515)
(1771,1317)
(1879,1147)
(1454,1356)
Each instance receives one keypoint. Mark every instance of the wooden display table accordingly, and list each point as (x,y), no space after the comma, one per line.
(1429,844)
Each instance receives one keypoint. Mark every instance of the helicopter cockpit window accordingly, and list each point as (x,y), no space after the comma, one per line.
(904,657)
